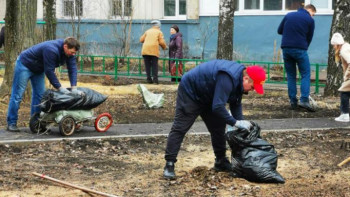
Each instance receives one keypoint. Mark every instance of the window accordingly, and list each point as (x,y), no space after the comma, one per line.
(252,4)
(73,8)
(294,4)
(174,8)
(320,4)
(121,8)
(272,5)
(236,5)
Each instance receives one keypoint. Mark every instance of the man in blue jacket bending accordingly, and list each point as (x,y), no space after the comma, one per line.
(297,30)
(204,91)
(33,64)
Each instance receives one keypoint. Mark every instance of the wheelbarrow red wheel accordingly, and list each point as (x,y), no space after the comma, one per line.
(103,122)
(67,126)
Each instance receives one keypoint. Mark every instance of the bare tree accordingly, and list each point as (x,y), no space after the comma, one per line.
(122,31)
(341,24)
(225,35)
(50,19)
(206,31)
(75,11)
(20,21)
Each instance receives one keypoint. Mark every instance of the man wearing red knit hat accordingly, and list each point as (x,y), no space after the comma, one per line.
(204,91)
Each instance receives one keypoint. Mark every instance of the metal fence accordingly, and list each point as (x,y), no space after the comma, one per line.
(134,67)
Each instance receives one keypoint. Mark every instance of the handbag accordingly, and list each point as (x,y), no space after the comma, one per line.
(179,69)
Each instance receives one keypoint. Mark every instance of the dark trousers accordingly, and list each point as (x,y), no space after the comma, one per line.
(344,102)
(186,113)
(151,62)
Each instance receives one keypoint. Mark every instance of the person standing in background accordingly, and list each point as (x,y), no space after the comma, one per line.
(297,29)
(175,52)
(152,39)
(342,54)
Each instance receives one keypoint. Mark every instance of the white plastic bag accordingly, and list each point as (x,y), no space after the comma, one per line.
(151,100)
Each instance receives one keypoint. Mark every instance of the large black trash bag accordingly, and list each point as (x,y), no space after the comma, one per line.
(54,100)
(253,158)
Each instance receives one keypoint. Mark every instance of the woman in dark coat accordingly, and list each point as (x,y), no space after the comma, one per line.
(175,52)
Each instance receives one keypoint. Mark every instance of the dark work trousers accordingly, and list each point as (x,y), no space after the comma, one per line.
(186,113)
(151,62)
(344,102)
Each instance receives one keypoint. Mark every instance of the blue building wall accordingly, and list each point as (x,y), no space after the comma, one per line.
(254,36)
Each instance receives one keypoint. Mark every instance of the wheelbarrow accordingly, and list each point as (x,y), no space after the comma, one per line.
(69,121)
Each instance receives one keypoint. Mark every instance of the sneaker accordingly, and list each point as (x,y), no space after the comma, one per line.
(222,165)
(293,106)
(169,170)
(12,128)
(307,106)
(343,118)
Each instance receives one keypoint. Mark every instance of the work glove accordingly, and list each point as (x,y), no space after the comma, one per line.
(63,90)
(243,124)
(75,91)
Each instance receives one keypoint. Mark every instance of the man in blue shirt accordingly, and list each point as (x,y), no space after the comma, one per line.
(297,30)
(204,91)
(33,64)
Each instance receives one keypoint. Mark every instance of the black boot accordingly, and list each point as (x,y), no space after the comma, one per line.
(149,80)
(169,170)
(222,165)
(155,80)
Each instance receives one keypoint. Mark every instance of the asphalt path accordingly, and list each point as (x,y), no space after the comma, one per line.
(154,129)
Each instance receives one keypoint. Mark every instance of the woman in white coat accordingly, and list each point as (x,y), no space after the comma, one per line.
(342,53)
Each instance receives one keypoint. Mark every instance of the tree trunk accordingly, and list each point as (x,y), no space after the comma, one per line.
(341,24)
(225,33)
(20,21)
(50,19)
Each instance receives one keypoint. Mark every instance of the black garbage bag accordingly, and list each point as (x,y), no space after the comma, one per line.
(253,158)
(54,100)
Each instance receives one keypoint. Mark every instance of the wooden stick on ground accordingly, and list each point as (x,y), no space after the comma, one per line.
(344,162)
(71,185)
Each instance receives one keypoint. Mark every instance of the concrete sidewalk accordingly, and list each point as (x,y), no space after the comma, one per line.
(152,129)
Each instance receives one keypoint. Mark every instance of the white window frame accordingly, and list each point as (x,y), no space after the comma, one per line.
(260,11)
(122,16)
(177,11)
(75,16)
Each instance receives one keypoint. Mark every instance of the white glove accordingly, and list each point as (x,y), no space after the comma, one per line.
(243,124)
(77,92)
(63,90)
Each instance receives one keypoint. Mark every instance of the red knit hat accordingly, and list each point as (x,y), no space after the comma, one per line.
(258,75)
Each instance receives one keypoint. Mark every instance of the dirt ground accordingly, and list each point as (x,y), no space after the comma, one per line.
(133,167)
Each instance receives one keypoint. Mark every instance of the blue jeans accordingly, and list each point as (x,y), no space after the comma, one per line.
(294,57)
(20,80)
